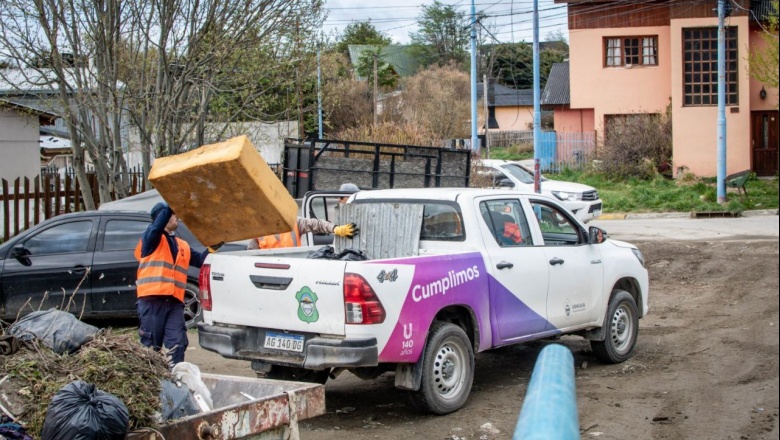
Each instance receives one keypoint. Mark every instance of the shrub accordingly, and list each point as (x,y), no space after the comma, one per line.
(637,145)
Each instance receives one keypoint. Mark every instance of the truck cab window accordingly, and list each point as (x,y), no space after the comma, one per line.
(441,222)
(505,220)
(557,228)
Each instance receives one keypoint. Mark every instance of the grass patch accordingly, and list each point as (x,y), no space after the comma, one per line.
(517,152)
(665,195)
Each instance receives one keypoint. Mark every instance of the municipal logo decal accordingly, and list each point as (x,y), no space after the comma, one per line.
(307,305)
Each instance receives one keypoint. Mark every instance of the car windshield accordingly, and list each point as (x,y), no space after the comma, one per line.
(520,173)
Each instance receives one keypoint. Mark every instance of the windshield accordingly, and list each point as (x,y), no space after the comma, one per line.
(520,173)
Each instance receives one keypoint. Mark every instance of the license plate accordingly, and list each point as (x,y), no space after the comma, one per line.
(283,341)
(596,213)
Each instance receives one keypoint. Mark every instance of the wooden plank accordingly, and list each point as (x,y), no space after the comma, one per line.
(26,203)
(37,213)
(46,196)
(6,211)
(16,205)
(67,192)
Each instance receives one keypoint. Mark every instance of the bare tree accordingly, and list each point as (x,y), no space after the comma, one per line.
(151,67)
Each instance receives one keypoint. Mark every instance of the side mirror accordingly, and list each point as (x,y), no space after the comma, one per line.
(506,183)
(596,235)
(19,252)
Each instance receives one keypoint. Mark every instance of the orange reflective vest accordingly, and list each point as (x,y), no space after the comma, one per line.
(288,239)
(159,274)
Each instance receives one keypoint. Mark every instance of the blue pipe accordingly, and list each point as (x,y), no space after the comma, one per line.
(550,406)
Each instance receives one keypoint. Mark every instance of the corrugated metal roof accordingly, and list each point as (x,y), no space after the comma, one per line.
(387,230)
(556,91)
(397,56)
(503,96)
(24,106)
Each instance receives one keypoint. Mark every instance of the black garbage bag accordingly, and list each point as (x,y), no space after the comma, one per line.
(176,401)
(58,330)
(80,411)
(323,253)
(350,254)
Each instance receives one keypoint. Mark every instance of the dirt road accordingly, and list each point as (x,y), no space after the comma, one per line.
(706,364)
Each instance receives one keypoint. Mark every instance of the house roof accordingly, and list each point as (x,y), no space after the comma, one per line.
(45,116)
(397,56)
(503,96)
(556,91)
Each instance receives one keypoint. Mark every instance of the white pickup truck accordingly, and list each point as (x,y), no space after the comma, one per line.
(479,269)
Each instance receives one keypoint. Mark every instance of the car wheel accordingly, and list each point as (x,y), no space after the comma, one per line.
(448,370)
(192,311)
(622,327)
(298,374)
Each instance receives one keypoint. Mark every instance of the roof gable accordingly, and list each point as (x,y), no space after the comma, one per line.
(556,91)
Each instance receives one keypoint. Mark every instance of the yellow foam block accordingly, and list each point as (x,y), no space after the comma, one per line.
(225,192)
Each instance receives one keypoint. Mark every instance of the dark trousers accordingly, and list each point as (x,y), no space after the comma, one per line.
(162,324)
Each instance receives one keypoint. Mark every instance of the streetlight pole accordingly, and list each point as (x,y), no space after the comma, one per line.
(721,103)
(474,138)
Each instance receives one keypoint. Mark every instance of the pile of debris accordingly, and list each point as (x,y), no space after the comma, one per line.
(33,370)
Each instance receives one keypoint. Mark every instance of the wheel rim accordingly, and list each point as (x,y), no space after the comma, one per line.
(621,330)
(449,370)
(191,307)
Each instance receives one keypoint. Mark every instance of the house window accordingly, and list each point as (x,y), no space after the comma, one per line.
(631,51)
(700,59)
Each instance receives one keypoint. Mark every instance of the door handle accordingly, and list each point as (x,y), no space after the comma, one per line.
(504,265)
(556,261)
(78,270)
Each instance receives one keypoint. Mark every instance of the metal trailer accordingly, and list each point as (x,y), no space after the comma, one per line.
(245,408)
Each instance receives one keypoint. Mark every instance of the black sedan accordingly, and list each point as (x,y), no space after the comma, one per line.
(83,263)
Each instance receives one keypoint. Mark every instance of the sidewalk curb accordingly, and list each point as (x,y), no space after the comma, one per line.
(655,215)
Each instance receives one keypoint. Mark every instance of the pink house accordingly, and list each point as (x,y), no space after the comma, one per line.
(641,57)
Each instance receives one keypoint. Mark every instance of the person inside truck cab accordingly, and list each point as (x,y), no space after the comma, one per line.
(162,274)
(502,224)
(302,226)
(347,187)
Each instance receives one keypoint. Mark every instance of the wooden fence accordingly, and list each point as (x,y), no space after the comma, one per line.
(26,203)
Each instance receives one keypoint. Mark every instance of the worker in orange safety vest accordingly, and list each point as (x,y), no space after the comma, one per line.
(302,226)
(162,278)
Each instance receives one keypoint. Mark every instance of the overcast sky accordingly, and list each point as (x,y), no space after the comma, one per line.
(508,21)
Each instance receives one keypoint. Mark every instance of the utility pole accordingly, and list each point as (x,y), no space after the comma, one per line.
(487,114)
(474,138)
(376,105)
(537,109)
(721,102)
(319,93)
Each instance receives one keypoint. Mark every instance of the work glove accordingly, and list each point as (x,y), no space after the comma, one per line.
(349,230)
(215,247)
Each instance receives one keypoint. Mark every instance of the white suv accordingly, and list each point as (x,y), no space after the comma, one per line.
(580,199)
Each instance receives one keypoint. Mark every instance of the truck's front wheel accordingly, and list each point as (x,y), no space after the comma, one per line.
(622,326)
(448,370)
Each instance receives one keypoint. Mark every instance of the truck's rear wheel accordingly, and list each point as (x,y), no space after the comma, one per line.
(622,326)
(192,311)
(448,370)
(298,374)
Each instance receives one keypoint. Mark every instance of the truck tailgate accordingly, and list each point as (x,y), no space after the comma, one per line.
(295,294)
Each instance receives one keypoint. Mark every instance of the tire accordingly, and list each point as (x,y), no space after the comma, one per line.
(448,370)
(622,327)
(193,313)
(298,374)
